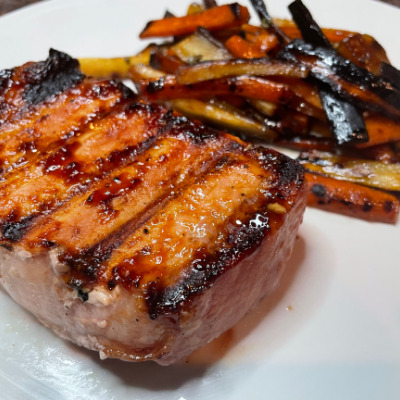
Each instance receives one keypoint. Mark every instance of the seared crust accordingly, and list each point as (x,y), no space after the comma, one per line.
(141,228)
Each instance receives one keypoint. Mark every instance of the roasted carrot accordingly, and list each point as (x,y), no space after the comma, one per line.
(267,108)
(364,51)
(303,143)
(351,199)
(302,89)
(216,18)
(258,66)
(248,86)
(262,40)
(265,42)
(248,29)
(381,130)
(384,152)
(240,48)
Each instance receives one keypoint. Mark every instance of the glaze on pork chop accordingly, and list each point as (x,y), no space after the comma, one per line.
(129,229)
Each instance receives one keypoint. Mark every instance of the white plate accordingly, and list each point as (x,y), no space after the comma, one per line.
(331,331)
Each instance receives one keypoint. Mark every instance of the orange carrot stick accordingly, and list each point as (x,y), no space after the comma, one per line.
(240,48)
(381,130)
(262,40)
(248,86)
(351,199)
(216,18)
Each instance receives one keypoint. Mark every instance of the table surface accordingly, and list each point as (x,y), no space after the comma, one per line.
(10,5)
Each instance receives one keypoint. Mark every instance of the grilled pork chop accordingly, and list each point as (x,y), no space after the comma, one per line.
(129,229)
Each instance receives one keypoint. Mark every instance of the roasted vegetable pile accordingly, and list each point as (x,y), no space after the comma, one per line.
(331,94)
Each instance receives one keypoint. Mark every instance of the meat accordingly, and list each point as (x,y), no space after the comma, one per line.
(129,229)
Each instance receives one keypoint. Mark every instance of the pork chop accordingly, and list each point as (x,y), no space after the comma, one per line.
(127,228)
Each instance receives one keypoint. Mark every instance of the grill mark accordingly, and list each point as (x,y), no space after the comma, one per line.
(75,180)
(204,268)
(26,115)
(61,154)
(72,174)
(63,163)
(142,272)
(161,296)
(31,143)
(19,114)
(65,140)
(85,265)
(89,262)
(117,159)
(13,230)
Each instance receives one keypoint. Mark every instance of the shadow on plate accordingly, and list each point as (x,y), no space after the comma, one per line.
(146,374)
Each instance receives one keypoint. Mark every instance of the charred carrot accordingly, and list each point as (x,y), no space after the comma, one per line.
(364,51)
(247,86)
(344,78)
(216,18)
(351,199)
(380,129)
